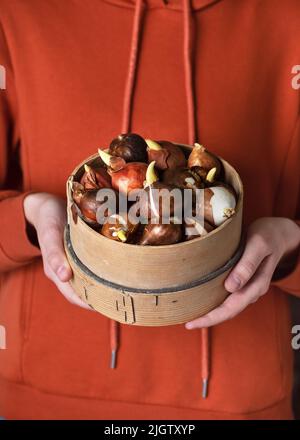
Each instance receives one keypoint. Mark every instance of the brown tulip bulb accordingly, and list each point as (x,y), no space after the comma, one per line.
(89,205)
(183,178)
(119,228)
(130,178)
(223,185)
(158,202)
(218,204)
(125,177)
(161,234)
(158,199)
(130,146)
(94,178)
(203,161)
(194,228)
(165,154)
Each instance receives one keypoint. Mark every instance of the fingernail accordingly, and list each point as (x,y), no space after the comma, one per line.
(233,283)
(189,326)
(62,272)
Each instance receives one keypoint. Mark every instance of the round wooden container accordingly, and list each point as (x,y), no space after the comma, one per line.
(152,285)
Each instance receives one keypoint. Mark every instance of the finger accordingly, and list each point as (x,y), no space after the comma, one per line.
(51,243)
(255,251)
(234,304)
(68,292)
(238,301)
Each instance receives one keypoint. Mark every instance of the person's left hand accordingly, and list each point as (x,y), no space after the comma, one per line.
(269,240)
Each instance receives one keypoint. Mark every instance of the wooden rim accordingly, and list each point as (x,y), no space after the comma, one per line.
(181,287)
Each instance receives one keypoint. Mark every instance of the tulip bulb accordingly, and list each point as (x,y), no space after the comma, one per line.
(219,204)
(125,177)
(88,205)
(157,201)
(161,234)
(95,178)
(166,154)
(118,228)
(130,146)
(183,178)
(204,161)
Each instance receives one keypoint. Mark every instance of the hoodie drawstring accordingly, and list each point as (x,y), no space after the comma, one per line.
(114,342)
(188,55)
(115,328)
(132,68)
(205,360)
(188,52)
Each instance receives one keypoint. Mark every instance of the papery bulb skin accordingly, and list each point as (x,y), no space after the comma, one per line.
(218,183)
(196,228)
(77,192)
(183,178)
(90,203)
(95,177)
(165,154)
(119,228)
(130,146)
(125,177)
(131,177)
(219,205)
(202,161)
(161,234)
(158,202)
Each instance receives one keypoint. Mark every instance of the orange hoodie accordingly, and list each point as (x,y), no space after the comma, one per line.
(79,72)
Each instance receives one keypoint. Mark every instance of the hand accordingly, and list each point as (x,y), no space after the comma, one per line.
(269,240)
(47,213)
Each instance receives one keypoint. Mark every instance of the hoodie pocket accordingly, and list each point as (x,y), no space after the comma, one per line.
(68,353)
(15,309)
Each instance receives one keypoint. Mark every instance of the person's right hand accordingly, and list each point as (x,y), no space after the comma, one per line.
(47,213)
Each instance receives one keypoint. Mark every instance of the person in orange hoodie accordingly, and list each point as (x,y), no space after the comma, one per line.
(224,73)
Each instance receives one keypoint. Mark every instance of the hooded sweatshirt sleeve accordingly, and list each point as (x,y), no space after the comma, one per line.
(291,179)
(15,246)
(291,282)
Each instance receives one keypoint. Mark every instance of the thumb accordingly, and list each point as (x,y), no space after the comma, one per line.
(51,243)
